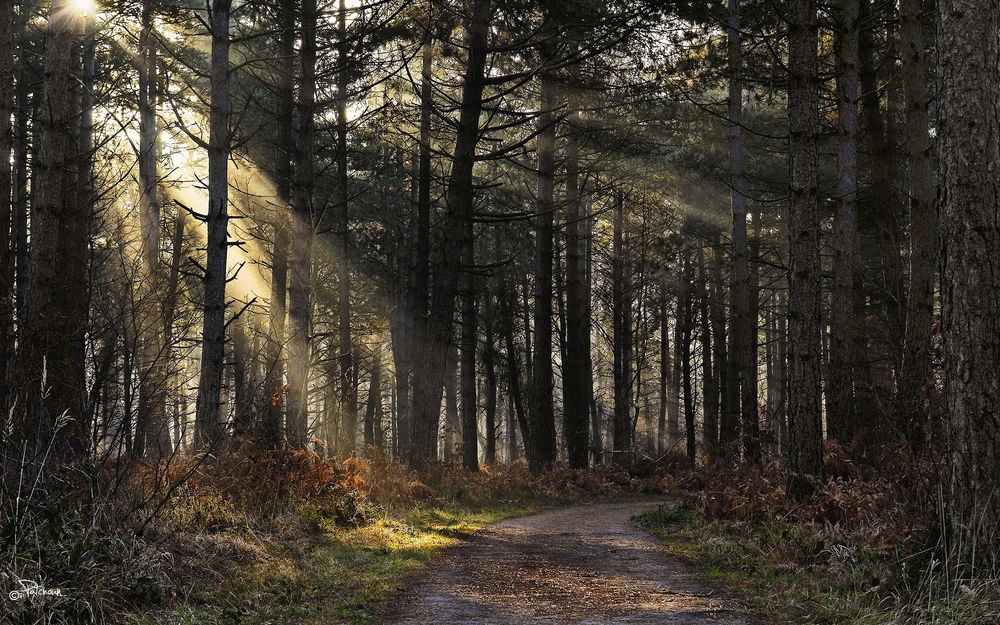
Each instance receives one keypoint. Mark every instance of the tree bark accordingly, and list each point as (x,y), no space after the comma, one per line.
(916,378)
(461,200)
(543,428)
(969,71)
(469,333)
(284,141)
(373,408)
(805,427)
(845,319)
(152,416)
(210,429)
(742,356)
(490,375)
(348,389)
(7,261)
(621,314)
(710,368)
(686,323)
(301,242)
(577,368)
(720,355)
(665,370)
(43,349)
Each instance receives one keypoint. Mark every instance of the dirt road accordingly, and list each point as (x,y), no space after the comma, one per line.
(585,565)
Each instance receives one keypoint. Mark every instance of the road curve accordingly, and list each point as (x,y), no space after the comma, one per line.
(584,565)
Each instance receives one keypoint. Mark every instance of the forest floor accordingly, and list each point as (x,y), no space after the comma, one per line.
(587,564)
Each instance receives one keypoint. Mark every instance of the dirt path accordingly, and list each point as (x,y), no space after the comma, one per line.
(585,565)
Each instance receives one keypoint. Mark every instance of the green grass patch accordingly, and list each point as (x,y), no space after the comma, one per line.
(332,575)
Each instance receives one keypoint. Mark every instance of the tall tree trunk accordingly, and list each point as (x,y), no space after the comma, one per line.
(373,408)
(665,369)
(916,379)
(348,389)
(152,416)
(242,373)
(805,426)
(543,427)
(22,260)
(968,62)
(45,395)
(621,313)
(674,385)
(750,400)
(845,319)
(213,344)
(461,201)
(781,372)
(284,141)
(577,371)
(300,250)
(710,368)
(469,333)
(452,417)
(419,292)
(742,356)
(686,322)
(713,436)
(7,262)
(514,387)
(490,375)
(882,220)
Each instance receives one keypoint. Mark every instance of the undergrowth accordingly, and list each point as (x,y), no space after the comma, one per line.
(864,549)
(245,536)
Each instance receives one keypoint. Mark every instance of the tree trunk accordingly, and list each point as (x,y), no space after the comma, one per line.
(916,379)
(273,430)
(883,219)
(469,333)
(543,428)
(710,368)
(373,408)
(490,374)
(805,426)
(152,416)
(665,369)
(968,62)
(845,320)
(577,369)
(686,323)
(674,386)
(213,345)
(420,280)
(514,386)
(44,345)
(621,313)
(300,250)
(742,355)
(461,201)
(7,101)
(720,354)
(452,418)
(348,389)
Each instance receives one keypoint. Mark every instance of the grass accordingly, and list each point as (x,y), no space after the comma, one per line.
(331,575)
(780,574)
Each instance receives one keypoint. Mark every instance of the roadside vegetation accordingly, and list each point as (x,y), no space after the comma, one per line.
(257,537)
(864,549)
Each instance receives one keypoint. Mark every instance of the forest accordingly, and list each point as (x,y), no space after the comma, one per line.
(427,311)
